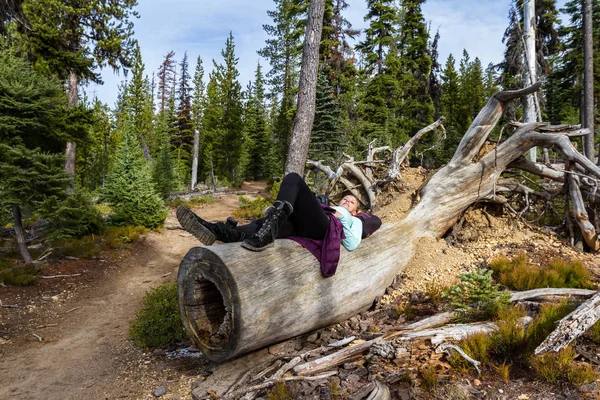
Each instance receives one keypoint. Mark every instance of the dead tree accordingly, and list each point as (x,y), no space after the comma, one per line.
(234,301)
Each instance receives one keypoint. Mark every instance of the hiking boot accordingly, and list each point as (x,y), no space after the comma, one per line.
(208,232)
(275,218)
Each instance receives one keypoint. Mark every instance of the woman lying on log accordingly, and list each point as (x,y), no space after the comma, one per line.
(296,214)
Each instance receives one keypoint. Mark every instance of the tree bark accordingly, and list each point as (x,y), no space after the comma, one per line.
(20,233)
(234,301)
(71,151)
(307,90)
(195,158)
(529,112)
(588,79)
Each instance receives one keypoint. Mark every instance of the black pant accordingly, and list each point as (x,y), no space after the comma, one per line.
(308,219)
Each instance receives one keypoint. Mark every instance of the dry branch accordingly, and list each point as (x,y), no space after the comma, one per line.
(572,326)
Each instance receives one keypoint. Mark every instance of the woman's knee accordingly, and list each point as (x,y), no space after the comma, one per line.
(292,177)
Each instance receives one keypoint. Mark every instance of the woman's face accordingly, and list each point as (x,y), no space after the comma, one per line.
(350,203)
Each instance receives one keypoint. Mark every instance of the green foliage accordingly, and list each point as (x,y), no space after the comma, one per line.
(129,189)
(326,139)
(259,161)
(284,391)
(19,275)
(89,246)
(251,209)
(193,202)
(74,216)
(158,323)
(163,174)
(561,366)
(476,296)
(518,274)
(429,379)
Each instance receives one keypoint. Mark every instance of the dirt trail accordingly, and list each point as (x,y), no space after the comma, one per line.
(85,355)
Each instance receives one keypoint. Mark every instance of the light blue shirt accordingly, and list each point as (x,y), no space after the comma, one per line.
(352,228)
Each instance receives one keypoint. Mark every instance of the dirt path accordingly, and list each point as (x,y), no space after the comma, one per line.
(84,352)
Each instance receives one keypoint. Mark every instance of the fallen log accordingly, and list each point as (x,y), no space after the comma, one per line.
(234,301)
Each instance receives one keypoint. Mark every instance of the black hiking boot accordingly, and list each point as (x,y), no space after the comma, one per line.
(276,216)
(208,232)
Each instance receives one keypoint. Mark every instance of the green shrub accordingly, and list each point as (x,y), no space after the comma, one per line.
(74,216)
(251,209)
(518,274)
(476,297)
(20,275)
(158,323)
(194,201)
(114,237)
(561,366)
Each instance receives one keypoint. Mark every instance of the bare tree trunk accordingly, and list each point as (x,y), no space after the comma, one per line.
(307,90)
(529,112)
(20,233)
(195,158)
(588,79)
(71,152)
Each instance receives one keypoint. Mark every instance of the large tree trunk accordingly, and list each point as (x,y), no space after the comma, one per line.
(588,79)
(307,90)
(529,111)
(20,234)
(71,152)
(195,158)
(234,301)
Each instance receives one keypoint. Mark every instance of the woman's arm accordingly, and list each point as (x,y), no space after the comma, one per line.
(352,228)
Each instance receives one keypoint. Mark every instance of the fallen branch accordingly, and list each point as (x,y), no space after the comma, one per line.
(444,348)
(38,337)
(46,326)
(535,293)
(324,363)
(264,385)
(58,276)
(73,309)
(572,326)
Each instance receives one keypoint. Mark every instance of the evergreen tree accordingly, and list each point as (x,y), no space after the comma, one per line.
(450,106)
(198,107)
(283,50)
(379,36)
(435,90)
(415,109)
(138,105)
(33,130)
(326,140)
(94,156)
(184,136)
(231,142)
(257,130)
(129,188)
(162,168)
(166,77)
(212,124)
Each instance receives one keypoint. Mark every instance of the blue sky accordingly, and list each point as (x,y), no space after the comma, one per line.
(201,27)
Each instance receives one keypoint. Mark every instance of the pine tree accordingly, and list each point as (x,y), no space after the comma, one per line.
(231,143)
(129,188)
(450,106)
(257,130)
(184,136)
(379,36)
(72,39)
(326,140)
(32,134)
(163,174)
(283,50)
(415,109)
(138,105)
(434,89)
(198,107)
(166,76)
(95,155)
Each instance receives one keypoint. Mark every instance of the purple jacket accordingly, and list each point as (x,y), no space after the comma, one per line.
(327,251)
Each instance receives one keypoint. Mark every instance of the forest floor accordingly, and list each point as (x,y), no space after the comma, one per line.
(67,338)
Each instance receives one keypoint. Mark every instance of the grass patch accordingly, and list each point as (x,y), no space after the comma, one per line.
(561,366)
(194,201)
(114,237)
(518,274)
(251,209)
(429,379)
(284,391)
(158,323)
(20,275)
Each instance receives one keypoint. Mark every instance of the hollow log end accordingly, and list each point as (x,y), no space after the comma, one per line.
(207,299)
